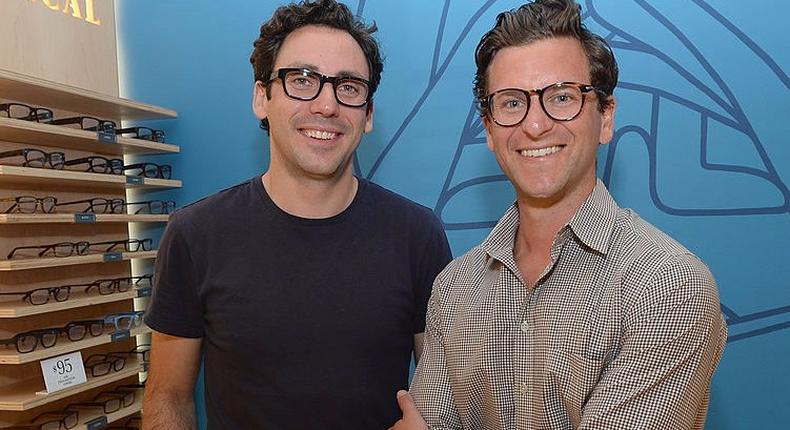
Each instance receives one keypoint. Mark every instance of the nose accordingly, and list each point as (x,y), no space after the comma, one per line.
(326,103)
(537,121)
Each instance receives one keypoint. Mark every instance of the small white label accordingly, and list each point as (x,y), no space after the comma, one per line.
(63,372)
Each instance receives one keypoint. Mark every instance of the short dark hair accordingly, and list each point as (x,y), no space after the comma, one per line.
(540,20)
(328,13)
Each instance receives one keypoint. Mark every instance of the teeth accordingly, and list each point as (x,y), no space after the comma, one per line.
(532,153)
(322,135)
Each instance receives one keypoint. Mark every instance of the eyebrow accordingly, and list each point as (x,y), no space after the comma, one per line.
(340,74)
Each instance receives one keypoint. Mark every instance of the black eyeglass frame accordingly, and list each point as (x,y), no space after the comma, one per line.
(115,206)
(80,248)
(168,206)
(39,203)
(47,157)
(322,79)
(101,124)
(111,165)
(154,136)
(36,114)
(160,170)
(54,292)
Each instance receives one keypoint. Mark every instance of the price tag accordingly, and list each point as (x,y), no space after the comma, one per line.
(120,335)
(84,218)
(134,180)
(112,256)
(96,423)
(144,292)
(63,372)
(106,136)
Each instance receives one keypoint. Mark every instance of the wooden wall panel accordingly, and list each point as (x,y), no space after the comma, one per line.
(39,39)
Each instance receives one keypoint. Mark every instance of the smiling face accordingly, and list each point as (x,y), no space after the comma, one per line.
(547,161)
(315,139)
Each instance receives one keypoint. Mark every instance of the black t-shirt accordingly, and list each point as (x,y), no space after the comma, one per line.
(306,323)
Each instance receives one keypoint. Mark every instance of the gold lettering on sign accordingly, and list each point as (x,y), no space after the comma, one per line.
(89,14)
(49,4)
(73,7)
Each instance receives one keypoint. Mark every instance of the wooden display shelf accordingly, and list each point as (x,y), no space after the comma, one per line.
(25,395)
(40,263)
(23,309)
(120,414)
(41,176)
(41,92)
(64,346)
(17,218)
(20,131)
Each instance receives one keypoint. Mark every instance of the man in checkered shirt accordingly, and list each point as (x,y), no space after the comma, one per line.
(573,312)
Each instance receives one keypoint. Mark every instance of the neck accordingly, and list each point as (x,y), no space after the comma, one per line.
(541,219)
(310,198)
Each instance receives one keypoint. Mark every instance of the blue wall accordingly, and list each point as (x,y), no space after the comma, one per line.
(701,149)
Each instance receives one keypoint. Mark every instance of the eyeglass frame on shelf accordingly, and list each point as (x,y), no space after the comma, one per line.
(39,203)
(112,204)
(156,135)
(102,124)
(160,170)
(111,165)
(48,114)
(24,152)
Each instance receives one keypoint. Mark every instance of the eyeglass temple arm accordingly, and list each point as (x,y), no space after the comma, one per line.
(13,251)
(12,153)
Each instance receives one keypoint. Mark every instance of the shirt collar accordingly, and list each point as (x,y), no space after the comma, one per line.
(594,221)
(592,224)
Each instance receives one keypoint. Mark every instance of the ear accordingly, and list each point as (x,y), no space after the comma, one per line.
(260,102)
(369,117)
(607,121)
(489,140)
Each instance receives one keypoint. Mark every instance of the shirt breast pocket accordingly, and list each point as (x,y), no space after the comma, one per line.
(570,379)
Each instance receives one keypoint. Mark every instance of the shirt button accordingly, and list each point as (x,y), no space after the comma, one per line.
(522,388)
(525,326)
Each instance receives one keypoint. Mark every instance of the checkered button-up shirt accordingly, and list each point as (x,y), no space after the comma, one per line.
(622,331)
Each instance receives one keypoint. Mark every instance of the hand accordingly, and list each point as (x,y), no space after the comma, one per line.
(412,420)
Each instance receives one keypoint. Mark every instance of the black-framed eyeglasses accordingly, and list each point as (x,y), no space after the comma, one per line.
(78,330)
(102,364)
(25,112)
(562,101)
(88,123)
(154,207)
(304,84)
(145,133)
(29,340)
(41,296)
(151,170)
(37,157)
(129,245)
(67,420)
(60,249)
(30,204)
(98,205)
(108,401)
(126,396)
(99,164)
(144,351)
(118,285)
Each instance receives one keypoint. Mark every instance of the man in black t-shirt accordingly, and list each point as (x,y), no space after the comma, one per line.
(305,288)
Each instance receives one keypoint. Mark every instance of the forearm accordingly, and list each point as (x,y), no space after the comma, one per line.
(168,411)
